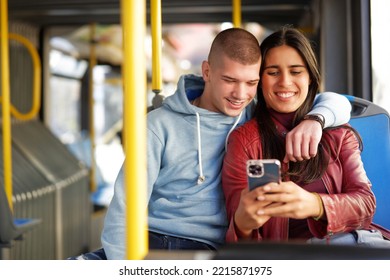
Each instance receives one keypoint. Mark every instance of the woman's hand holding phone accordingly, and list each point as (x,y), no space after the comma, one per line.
(290,201)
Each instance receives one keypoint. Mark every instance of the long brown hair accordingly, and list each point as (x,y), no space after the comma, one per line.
(273,145)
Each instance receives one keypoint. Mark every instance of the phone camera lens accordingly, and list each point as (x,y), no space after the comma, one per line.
(255,169)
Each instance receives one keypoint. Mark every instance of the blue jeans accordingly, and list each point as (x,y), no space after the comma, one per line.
(99,254)
(167,242)
(156,241)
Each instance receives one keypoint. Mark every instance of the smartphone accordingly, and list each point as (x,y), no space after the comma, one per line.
(262,171)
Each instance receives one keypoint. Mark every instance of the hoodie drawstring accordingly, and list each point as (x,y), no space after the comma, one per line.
(230,131)
(201,177)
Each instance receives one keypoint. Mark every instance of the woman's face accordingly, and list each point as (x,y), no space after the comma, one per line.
(285,80)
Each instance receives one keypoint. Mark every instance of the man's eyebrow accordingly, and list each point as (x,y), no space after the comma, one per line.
(234,79)
(227,77)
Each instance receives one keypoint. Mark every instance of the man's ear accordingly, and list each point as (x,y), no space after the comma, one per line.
(205,70)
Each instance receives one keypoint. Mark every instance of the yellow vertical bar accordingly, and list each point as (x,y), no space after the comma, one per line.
(92,63)
(237,13)
(133,16)
(155,22)
(5,92)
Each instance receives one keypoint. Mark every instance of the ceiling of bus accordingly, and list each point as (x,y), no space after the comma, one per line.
(78,12)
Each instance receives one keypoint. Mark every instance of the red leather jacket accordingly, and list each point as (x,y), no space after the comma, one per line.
(349,203)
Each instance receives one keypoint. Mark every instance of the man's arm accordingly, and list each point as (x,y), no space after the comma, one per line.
(113,236)
(335,108)
(332,109)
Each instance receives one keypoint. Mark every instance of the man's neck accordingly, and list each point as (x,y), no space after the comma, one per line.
(196,102)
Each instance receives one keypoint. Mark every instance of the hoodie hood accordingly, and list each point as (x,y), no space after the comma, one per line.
(189,87)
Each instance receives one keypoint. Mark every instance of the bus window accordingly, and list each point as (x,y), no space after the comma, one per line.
(380,54)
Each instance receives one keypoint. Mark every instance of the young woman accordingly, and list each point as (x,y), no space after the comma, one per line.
(327,198)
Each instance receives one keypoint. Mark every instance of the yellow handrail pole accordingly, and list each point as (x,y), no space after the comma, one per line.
(37,73)
(5,92)
(155,22)
(237,13)
(92,63)
(133,17)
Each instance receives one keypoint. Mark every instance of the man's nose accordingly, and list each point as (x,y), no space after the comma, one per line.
(240,91)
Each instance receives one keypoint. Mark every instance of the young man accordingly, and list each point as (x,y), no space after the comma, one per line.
(186,144)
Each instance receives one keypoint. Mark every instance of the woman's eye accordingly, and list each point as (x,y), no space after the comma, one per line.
(296,72)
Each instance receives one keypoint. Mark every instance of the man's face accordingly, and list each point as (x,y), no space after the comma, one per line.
(230,85)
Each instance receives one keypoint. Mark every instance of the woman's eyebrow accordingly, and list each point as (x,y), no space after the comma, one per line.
(296,65)
(271,66)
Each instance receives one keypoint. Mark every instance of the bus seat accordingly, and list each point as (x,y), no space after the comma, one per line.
(11,228)
(156,102)
(373,124)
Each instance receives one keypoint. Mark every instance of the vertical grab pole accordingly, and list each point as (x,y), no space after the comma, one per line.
(5,92)
(236,13)
(133,17)
(155,22)
(92,63)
